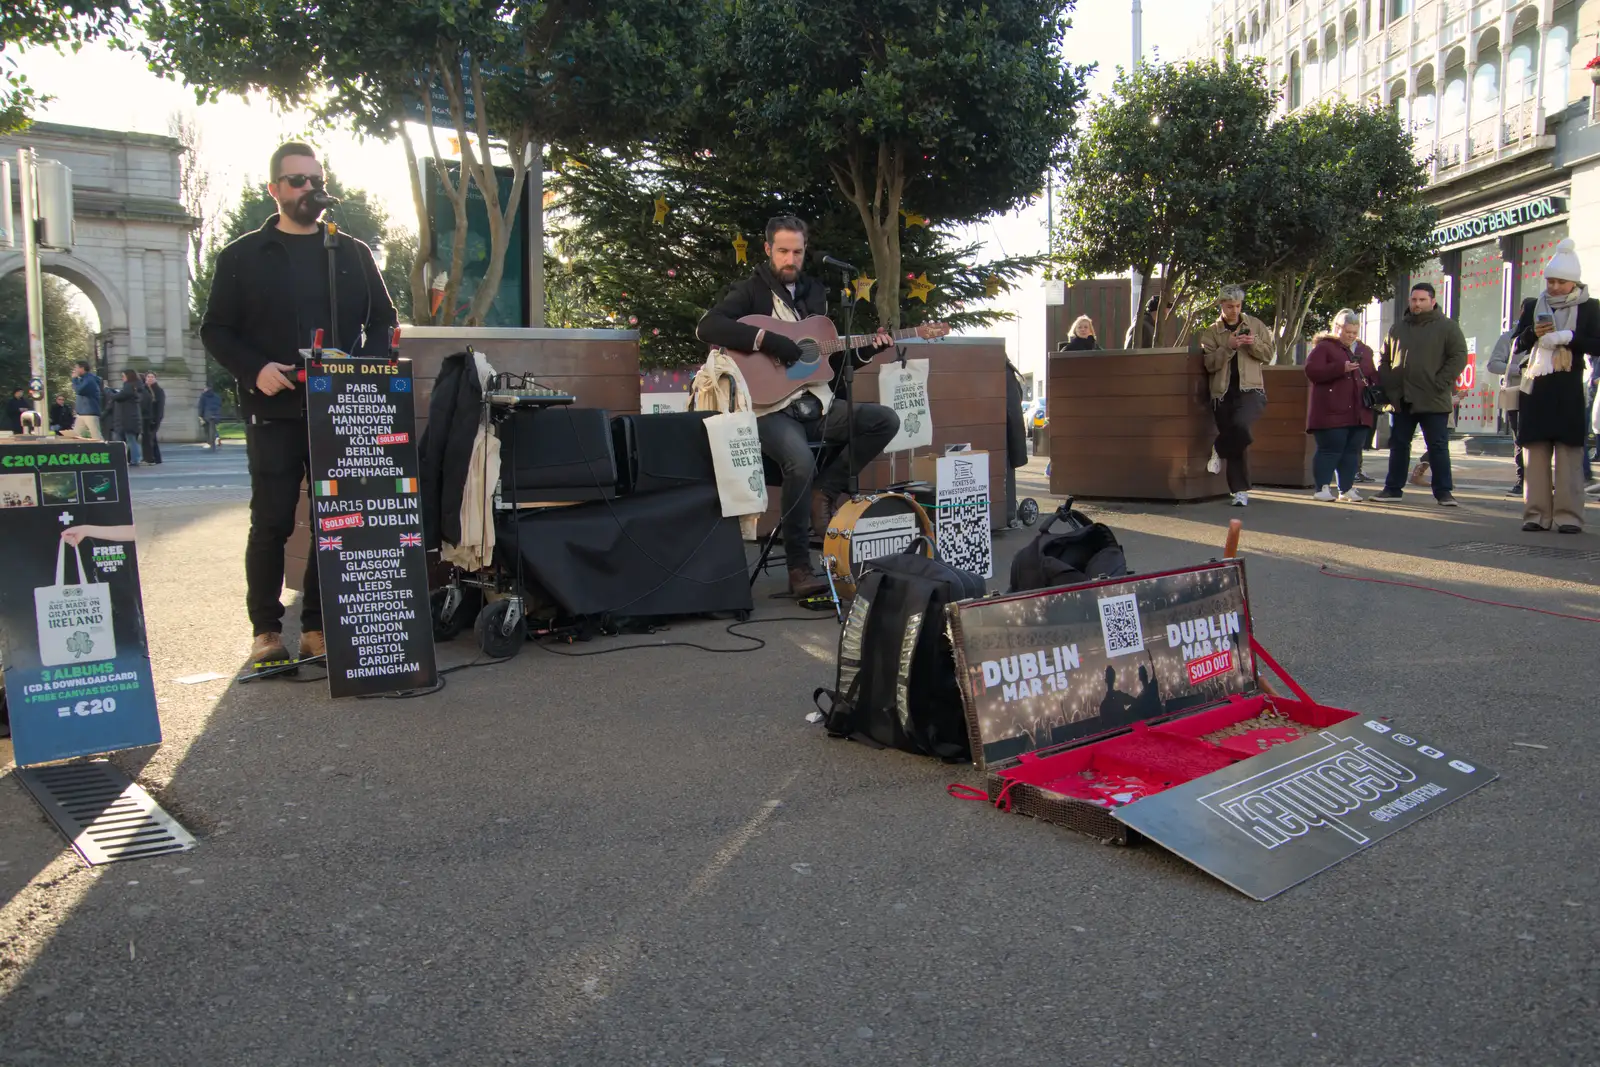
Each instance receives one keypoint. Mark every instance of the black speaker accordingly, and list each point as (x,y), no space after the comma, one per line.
(556,454)
(662,451)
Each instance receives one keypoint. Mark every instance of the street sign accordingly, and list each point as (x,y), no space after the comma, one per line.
(77,663)
(437,110)
(366,518)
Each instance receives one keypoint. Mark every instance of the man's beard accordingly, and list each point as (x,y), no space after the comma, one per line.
(787,275)
(304,210)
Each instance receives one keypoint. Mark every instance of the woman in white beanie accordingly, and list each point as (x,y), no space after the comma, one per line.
(1557,329)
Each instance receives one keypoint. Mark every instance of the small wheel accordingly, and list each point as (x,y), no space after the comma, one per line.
(448,628)
(493,639)
(1028,510)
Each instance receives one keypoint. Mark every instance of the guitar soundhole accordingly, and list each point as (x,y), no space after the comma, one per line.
(810,352)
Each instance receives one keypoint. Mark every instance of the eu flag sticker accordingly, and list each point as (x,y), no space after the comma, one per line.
(400,385)
(321,385)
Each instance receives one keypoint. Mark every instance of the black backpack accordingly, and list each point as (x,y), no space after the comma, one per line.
(1082,550)
(896,686)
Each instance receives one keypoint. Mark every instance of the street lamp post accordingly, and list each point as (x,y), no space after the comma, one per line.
(1135,280)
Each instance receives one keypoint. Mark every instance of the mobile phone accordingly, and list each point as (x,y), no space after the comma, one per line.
(1545,318)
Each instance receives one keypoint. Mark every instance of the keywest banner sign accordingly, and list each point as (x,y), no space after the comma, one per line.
(1500,220)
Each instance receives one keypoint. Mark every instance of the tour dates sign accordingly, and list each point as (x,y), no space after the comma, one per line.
(366,517)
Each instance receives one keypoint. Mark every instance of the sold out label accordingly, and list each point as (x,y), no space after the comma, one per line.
(1209,666)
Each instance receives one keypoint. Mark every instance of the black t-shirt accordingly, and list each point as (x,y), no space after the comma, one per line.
(308,266)
(1233,357)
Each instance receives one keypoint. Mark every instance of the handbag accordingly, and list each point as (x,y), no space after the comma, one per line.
(74,620)
(1373,397)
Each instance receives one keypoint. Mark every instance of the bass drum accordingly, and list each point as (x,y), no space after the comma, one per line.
(870,526)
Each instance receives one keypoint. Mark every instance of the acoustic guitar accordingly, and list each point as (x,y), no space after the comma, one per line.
(770,381)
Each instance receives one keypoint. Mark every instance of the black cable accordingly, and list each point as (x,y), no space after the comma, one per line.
(408,694)
(729,629)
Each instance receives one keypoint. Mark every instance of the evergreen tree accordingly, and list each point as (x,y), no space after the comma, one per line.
(619,267)
(67,335)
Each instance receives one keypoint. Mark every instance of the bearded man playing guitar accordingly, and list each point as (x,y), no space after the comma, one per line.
(789,423)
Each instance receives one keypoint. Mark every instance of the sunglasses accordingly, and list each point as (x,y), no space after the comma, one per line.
(298,181)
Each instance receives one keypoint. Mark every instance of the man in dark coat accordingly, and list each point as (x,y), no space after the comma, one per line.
(127,415)
(808,414)
(1421,358)
(18,403)
(61,414)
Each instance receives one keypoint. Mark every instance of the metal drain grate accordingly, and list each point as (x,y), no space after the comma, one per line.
(105,815)
(1495,548)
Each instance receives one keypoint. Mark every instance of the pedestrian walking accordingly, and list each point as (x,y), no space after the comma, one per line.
(269,296)
(1422,356)
(1235,348)
(127,415)
(1556,330)
(90,402)
(210,416)
(1340,367)
(153,416)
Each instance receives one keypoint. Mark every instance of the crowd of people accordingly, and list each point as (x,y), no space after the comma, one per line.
(1548,392)
(133,412)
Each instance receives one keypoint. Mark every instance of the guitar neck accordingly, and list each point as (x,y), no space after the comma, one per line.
(863,340)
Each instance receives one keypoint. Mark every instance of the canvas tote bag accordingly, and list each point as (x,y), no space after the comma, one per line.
(905,389)
(74,620)
(736,458)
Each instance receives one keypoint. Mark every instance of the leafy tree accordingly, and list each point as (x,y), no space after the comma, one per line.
(949,111)
(512,73)
(1336,213)
(53,23)
(622,268)
(1159,176)
(68,337)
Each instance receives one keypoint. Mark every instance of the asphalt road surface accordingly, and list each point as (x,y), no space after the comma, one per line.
(651,858)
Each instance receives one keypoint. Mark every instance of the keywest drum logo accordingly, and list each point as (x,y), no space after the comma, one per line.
(881,535)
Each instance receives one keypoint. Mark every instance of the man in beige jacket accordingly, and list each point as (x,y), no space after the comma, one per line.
(1235,347)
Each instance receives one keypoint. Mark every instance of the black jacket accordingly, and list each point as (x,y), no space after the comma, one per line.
(1016,429)
(14,409)
(156,408)
(1081,344)
(757,295)
(445,452)
(61,416)
(250,319)
(1557,409)
(127,407)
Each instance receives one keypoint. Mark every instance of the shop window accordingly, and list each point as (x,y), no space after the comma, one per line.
(1537,248)
(1480,312)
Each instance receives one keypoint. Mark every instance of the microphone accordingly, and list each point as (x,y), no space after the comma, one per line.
(839,263)
(323,200)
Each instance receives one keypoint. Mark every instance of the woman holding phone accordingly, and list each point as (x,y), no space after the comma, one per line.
(1556,330)
(1339,367)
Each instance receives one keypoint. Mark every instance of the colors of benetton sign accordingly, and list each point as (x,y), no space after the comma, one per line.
(1500,220)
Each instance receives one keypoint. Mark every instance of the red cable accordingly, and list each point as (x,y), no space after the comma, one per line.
(1458,596)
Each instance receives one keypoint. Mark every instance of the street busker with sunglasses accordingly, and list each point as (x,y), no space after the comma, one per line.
(269,296)
(780,289)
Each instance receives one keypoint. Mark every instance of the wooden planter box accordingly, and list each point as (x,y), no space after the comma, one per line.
(599,367)
(1138,426)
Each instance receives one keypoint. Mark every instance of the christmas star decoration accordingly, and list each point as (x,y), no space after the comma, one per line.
(993,286)
(740,247)
(863,287)
(661,210)
(913,219)
(920,288)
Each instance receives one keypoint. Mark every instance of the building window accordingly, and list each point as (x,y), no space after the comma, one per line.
(1399,8)
(1520,75)
(1537,248)
(1485,88)
(1557,69)
(1295,96)
(1453,106)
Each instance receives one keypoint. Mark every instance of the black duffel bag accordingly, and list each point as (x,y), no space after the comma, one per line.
(1069,549)
(896,686)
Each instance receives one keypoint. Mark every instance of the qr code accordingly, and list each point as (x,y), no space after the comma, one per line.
(962,530)
(1119,621)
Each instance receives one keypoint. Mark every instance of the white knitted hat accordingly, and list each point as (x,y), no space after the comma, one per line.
(1564,264)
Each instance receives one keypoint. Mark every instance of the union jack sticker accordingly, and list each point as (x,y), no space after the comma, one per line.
(410,540)
(335,544)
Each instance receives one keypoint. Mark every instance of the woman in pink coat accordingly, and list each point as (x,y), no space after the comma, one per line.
(1339,367)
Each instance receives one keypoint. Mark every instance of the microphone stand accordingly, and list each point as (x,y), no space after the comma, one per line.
(330,241)
(847,377)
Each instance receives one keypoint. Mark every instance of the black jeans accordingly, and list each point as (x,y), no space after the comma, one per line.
(280,460)
(1338,451)
(1236,413)
(152,445)
(1435,432)
(785,440)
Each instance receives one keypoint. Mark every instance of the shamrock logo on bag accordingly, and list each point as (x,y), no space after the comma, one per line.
(914,422)
(756,479)
(80,644)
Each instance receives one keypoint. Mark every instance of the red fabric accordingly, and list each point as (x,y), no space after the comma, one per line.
(1335,392)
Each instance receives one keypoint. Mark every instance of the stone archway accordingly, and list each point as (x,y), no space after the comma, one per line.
(130,254)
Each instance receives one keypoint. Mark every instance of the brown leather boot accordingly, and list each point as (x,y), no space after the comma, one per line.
(312,644)
(822,510)
(267,650)
(803,583)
